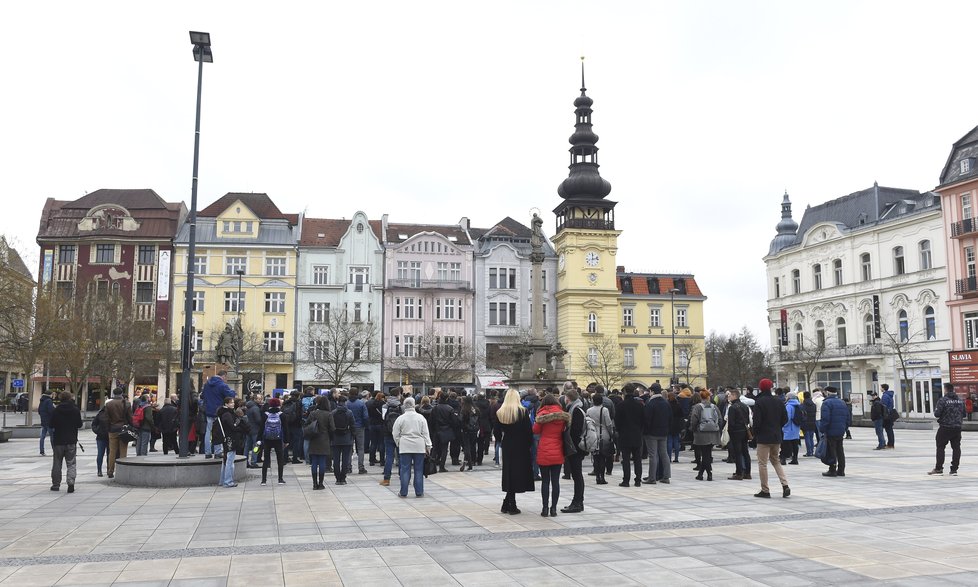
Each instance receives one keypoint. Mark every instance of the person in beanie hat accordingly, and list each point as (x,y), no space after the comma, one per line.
(770,416)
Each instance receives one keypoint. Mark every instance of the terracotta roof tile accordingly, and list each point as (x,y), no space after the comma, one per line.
(331,229)
(260,204)
(395,230)
(640,284)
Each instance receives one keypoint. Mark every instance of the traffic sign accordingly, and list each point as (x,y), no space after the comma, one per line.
(18,383)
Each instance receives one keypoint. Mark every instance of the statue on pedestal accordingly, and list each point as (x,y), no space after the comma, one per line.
(229,344)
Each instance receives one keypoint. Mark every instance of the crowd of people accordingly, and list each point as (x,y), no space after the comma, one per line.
(534,435)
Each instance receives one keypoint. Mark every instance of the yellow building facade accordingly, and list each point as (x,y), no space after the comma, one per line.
(245,271)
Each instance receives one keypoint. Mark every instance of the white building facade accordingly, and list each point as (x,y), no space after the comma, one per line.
(340,277)
(856,297)
(504,296)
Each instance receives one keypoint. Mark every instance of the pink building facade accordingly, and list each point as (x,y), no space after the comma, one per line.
(428,305)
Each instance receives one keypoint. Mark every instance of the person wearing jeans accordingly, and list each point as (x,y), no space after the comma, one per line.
(889,404)
(656,432)
(45,409)
(212,398)
(361,423)
(549,426)
(876,414)
(413,441)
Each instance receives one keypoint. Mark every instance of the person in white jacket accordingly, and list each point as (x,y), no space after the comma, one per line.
(413,442)
(818,398)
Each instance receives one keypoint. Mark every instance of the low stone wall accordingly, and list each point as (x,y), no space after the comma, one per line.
(170,471)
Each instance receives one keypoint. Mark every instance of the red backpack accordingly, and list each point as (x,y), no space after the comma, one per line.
(137,418)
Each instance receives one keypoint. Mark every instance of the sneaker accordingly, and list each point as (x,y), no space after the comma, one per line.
(953,473)
(230,485)
(208,456)
(385,482)
(936,471)
(55,488)
(763,494)
(281,481)
(264,483)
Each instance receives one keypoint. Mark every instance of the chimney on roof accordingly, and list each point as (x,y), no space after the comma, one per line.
(464,223)
(620,269)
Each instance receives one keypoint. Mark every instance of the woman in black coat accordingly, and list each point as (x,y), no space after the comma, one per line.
(808,425)
(517,442)
(676,424)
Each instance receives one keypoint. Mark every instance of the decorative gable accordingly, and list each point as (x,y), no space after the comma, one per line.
(237,221)
(108,217)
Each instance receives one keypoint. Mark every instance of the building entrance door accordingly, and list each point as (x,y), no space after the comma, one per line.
(924,396)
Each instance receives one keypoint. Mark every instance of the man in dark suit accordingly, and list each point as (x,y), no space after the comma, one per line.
(629,420)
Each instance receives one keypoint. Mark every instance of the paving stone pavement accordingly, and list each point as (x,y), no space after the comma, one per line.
(886,522)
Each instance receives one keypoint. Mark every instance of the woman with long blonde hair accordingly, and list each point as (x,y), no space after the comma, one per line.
(517,444)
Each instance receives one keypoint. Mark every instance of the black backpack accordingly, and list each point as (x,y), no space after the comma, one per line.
(342,420)
(472,423)
(393,413)
(798,417)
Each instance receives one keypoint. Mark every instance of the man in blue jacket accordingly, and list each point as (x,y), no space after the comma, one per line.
(212,396)
(360,422)
(889,404)
(836,417)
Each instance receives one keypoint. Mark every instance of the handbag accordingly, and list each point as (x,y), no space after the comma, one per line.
(430,467)
(311,428)
(127,433)
(822,452)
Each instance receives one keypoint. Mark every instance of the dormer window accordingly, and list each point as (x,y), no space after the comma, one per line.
(359,227)
(967,165)
(238,226)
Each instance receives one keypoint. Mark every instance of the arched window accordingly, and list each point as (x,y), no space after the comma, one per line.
(840,332)
(869,326)
(904,325)
(799,337)
(837,270)
(592,323)
(817,275)
(930,324)
(899,266)
(820,334)
(925,258)
(867,266)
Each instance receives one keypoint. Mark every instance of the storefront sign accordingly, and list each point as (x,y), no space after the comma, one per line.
(964,371)
(48,267)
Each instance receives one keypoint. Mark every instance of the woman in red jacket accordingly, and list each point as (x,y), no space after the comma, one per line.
(550,423)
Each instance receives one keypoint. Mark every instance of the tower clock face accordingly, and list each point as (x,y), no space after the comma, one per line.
(592,259)
(561,261)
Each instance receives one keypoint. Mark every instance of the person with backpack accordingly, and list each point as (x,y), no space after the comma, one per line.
(292,415)
(791,431)
(890,415)
(223,434)
(274,437)
(575,461)
(446,422)
(361,422)
(342,441)
(949,412)
(142,421)
(469,416)
(392,411)
(770,416)
(704,421)
(318,430)
(100,428)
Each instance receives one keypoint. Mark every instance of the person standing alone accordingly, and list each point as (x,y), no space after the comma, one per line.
(889,413)
(45,409)
(949,412)
(65,422)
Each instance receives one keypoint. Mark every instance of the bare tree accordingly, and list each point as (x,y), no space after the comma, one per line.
(28,324)
(807,357)
(603,363)
(693,353)
(436,359)
(736,359)
(901,343)
(338,347)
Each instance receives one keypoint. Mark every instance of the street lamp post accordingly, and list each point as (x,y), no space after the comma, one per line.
(237,359)
(202,54)
(672,309)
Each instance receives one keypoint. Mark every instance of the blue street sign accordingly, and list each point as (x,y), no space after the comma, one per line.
(17,383)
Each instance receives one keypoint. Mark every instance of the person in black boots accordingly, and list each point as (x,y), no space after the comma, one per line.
(64,422)
(517,465)
(704,421)
(319,428)
(738,423)
(629,420)
(657,417)
(274,435)
(342,440)
(446,421)
(575,462)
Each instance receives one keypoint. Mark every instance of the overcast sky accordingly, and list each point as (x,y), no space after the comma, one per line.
(430,111)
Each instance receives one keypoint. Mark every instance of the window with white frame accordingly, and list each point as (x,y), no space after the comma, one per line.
(358,311)
(628,357)
(275,266)
(319,312)
(198,302)
(449,271)
(656,358)
(837,270)
(104,253)
(592,357)
(234,301)
(410,272)
(198,342)
(147,255)
(448,309)
(869,328)
(502,278)
(592,323)
(275,302)
(408,308)
(925,255)
(681,321)
(899,265)
(966,211)
(320,274)
(969,261)
(502,314)
(820,333)
(200,264)
(866,265)
(357,350)
(318,350)
(970,330)
(930,323)
(840,332)
(817,275)
(799,337)
(234,264)
(627,317)
(655,317)
(795,281)
(408,345)
(359,277)
(903,324)
(683,358)
(274,341)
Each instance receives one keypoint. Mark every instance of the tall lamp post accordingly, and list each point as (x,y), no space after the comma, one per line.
(672,309)
(202,54)
(237,359)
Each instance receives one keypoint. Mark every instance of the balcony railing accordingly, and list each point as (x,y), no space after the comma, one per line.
(966,287)
(964,227)
(249,357)
(429,283)
(145,310)
(849,351)
(592,223)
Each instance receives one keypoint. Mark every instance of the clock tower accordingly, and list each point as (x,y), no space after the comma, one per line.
(586,243)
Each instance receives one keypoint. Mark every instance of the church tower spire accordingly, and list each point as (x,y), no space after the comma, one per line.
(584,189)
